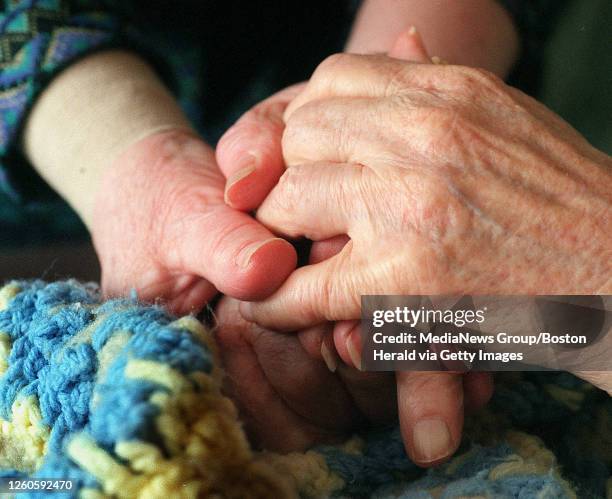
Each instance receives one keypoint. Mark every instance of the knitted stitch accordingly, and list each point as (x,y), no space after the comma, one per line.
(125,400)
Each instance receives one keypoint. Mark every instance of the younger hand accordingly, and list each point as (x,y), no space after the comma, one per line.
(161,227)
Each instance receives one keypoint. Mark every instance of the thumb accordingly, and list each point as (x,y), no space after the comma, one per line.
(430,407)
(409,46)
(239,256)
(250,154)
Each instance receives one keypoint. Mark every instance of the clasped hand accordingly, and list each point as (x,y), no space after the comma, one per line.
(444,180)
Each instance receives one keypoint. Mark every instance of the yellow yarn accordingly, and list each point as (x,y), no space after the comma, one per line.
(109,352)
(309,473)
(92,494)
(5,351)
(23,439)
(208,453)
(194,326)
(458,461)
(115,478)
(570,398)
(156,372)
(7,293)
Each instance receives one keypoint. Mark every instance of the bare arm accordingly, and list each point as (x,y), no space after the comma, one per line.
(477,33)
(88,115)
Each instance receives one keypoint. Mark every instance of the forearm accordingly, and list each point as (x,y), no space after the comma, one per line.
(477,33)
(88,115)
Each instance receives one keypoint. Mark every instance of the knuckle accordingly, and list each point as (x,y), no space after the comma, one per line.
(298,134)
(324,288)
(263,121)
(289,188)
(177,208)
(281,202)
(478,83)
(428,214)
(396,77)
(266,116)
(440,217)
(270,113)
(331,63)
(433,195)
(227,239)
(329,68)
(290,139)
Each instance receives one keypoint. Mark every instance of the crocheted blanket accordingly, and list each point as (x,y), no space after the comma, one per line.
(124,400)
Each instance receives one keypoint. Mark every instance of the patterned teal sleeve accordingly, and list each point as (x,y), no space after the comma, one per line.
(37,39)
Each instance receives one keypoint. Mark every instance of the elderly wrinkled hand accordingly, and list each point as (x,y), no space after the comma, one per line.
(431,405)
(445,179)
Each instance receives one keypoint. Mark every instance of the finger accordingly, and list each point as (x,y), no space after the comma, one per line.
(477,389)
(478,386)
(352,130)
(193,298)
(347,340)
(317,201)
(366,76)
(430,406)
(269,420)
(304,383)
(409,46)
(338,130)
(239,256)
(374,393)
(322,250)
(314,294)
(249,154)
(318,342)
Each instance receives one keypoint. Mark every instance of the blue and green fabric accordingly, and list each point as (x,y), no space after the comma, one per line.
(218,58)
(125,400)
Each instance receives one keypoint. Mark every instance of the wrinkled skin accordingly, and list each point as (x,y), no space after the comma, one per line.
(446,181)
(290,400)
(424,397)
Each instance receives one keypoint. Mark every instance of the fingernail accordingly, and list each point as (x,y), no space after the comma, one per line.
(353,353)
(246,311)
(432,440)
(246,255)
(329,358)
(438,60)
(237,177)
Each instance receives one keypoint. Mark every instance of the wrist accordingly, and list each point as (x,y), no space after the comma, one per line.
(90,114)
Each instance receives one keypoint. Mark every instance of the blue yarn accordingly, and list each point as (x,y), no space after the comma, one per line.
(58,332)
(41,320)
